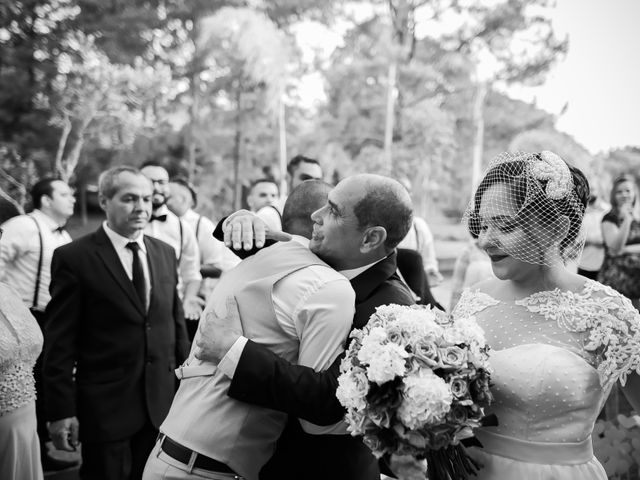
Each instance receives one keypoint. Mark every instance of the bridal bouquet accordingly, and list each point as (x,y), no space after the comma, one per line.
(414,383)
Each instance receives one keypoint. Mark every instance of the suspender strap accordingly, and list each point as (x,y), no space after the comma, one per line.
(198,226)
(37,286)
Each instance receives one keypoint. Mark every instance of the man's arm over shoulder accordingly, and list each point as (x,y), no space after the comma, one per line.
(61,330)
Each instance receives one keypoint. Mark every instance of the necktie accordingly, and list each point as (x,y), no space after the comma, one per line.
(158,218)
(59,229)
(138,273)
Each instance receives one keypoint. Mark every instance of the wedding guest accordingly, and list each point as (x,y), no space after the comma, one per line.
(472,266)
(292,303)
(25,264)
(357,238)
(621,232)
(166,226)
(115,332)
(263,200)
(20,345)
(558,341)
(593,253)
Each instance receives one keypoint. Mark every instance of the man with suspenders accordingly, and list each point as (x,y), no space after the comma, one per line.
(166,226)
(26,249)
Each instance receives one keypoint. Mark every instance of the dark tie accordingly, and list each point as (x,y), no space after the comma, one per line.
(158,218)
(138,273)
(59,229)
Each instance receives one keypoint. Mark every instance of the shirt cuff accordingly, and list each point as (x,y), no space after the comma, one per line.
(230,361)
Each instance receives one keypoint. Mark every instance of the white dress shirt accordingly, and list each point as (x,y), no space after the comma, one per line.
(20,252)
(186,252)
(126,256)
(212,251)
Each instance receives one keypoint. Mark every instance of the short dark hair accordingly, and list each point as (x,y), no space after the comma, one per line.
(513,175)
(264,180)
(297,160)
(305,199)
(180,180)
(44,186)
(107,182)
(382,205)
(153,163)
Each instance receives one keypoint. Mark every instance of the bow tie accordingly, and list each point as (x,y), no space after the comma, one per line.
(59,229)
(159,218)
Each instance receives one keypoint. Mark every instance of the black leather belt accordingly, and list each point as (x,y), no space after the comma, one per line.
(183,454)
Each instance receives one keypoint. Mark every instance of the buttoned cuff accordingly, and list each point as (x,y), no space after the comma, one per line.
(230,361)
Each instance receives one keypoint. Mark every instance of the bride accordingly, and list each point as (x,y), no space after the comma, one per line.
(559,341)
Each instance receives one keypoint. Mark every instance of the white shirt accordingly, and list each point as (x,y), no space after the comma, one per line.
(212,251)
(20,252)
(126,256)
(420,239)
(186,252)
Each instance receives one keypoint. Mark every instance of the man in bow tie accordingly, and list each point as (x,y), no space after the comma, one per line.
(166,226)
(26,249)
(115,332)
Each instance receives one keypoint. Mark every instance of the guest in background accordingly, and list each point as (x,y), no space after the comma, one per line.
(621,232)
(25,264)
(473,265)
(115,333)
(263,199)
(166,226)
(593,253)
(215,257)
(20,345)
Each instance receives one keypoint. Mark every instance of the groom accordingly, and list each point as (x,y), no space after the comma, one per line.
(356,233)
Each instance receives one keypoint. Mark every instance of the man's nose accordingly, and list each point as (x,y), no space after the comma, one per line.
(317,215)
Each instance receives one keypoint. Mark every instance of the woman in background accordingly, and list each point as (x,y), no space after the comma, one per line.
(621,232)
(20,345)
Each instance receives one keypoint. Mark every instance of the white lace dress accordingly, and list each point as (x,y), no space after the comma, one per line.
(555,356)
(20,345)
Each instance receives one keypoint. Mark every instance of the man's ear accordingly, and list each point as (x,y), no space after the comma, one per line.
(373,238)
(102,201)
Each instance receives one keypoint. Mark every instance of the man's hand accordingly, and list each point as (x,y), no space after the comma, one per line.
(243,228)
(218,333)
(64,433)
(193,306)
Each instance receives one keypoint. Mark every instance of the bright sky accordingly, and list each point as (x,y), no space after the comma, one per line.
(599,78)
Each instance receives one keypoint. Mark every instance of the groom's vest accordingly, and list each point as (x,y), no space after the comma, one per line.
(202,416)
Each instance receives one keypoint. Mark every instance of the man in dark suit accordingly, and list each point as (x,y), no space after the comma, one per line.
(356,232)
(114,317)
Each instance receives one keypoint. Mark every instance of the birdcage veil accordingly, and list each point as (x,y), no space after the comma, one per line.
(541,202)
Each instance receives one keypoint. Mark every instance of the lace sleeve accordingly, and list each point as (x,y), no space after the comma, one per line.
(472,302)
(614,336)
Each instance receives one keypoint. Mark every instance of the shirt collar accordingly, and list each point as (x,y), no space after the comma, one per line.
(354,272)
(190,215)
(120,242)
(301,240)
(162,210)
(46,219)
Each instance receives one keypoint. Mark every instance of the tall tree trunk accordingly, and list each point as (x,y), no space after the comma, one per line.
(62,144)
(390,115)
(282,136)
(478,142)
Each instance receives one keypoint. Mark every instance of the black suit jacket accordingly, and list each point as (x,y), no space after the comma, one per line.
(265,379)
(124,357)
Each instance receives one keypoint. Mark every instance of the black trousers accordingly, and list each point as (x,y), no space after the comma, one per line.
(119,460)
